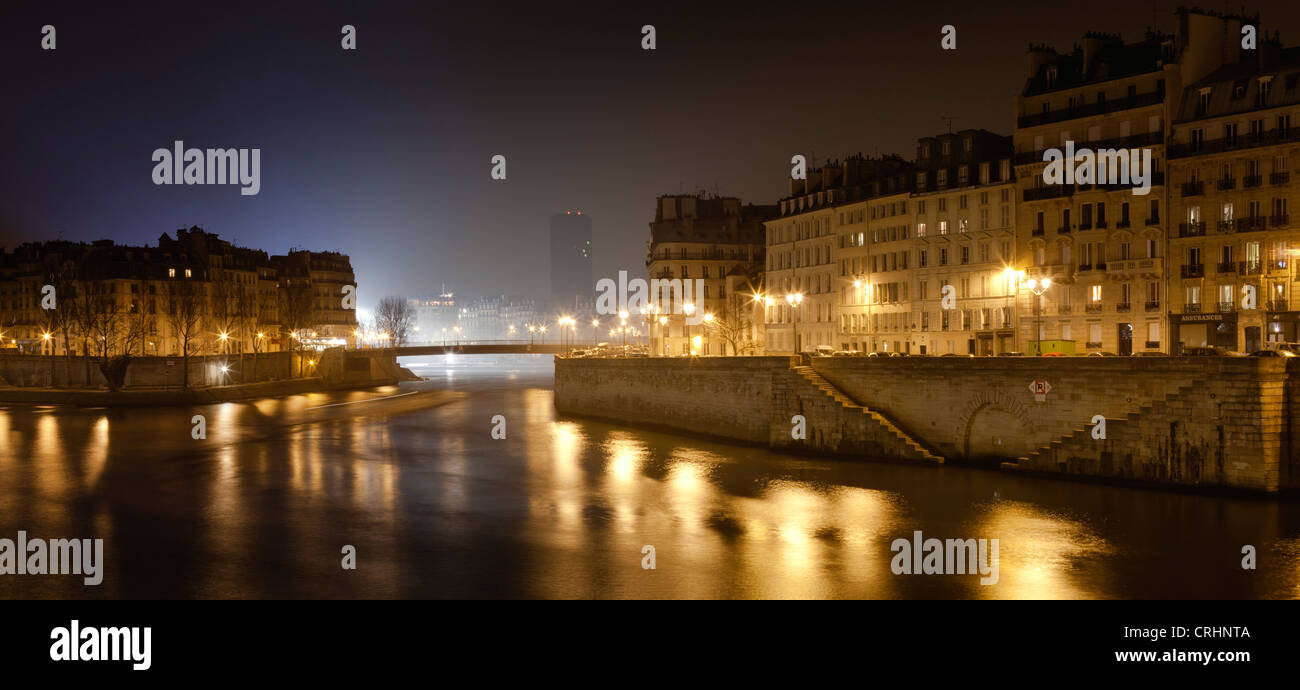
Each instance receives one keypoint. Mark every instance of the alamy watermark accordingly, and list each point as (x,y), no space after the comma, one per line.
(946,557)
(631,296)
(54,557)
(1104,166)
(209,166)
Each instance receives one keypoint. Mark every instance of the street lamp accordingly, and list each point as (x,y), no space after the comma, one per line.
(687,310)
(224,337)
(794,299)
(708,320)
(663,323)
(1038,288)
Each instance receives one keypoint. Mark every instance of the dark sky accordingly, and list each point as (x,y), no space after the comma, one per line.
(384,152)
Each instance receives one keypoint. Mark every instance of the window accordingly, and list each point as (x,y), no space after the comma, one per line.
(1194,295)
(188,273)
(1095,293)
(171,273)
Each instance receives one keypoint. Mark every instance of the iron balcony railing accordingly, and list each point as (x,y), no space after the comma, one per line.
(1247,141)
(1090,109)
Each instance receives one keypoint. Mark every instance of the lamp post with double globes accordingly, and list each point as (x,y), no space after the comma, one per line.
(794,299)
(1038,288)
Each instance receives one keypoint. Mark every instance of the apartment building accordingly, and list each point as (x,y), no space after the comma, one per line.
(805,277)
(195,292)
(1103,243)
(720,242)
(1235,141)
(1100,244)
(964,238)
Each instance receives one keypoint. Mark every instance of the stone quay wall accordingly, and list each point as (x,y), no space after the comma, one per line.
(1192,421)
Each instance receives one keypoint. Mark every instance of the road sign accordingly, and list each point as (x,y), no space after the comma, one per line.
(1040,388)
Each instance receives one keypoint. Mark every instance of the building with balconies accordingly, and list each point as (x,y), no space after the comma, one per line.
(1108,94)
(716,240)
(804,257)
(963,212)
(1234,140)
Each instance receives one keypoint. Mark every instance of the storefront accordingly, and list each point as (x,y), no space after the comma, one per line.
(1215,329)
(1283,327)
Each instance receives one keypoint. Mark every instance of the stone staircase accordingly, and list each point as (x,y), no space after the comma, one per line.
(899,441)
(1043,455)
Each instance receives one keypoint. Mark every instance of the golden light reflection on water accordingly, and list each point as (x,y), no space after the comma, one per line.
(96,452)
(1039,553)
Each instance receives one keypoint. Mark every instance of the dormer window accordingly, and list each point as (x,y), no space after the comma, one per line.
(1261,96)
(1051,76)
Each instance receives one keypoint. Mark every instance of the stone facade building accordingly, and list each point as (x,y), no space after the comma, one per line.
(716,240)
(196,293)
(1234,142)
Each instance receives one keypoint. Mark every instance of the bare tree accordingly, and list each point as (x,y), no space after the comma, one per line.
(734,325)
(224,312)
(395,317)
(185,306)
(297,312)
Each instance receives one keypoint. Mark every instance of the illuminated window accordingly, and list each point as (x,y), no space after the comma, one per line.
(188,273)
(171,273)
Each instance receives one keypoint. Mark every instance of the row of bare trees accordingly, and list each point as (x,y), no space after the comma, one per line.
(101,322)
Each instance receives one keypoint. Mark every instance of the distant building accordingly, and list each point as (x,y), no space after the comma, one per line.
(571,281)
(499,317)
(113,299)
(433,314)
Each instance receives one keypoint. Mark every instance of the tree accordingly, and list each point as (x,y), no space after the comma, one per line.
(297,311)
(735,323)
(395,317)
(185,307)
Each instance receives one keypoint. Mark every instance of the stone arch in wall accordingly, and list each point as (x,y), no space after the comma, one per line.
(993,425)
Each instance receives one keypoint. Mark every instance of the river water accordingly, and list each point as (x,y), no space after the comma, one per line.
(411,477)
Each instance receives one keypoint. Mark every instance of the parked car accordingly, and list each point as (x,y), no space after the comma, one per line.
(954,354)
(1011,354)
(1206,352)
(1102,354)
(1272,353)
(1150,354)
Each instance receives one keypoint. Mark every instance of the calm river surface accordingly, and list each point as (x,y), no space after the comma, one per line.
(561,508)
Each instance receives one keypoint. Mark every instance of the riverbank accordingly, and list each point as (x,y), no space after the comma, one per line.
(144,397)
(1180,421)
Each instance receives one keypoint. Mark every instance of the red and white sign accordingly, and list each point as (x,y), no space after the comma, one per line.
(1040,389)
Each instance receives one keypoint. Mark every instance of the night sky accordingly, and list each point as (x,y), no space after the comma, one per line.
(384,152)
